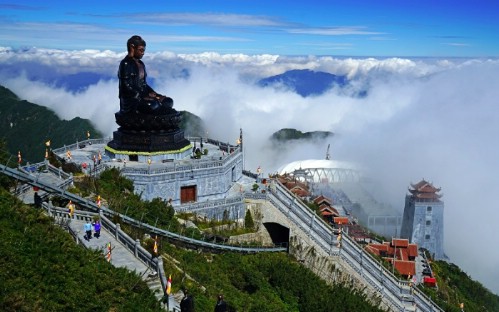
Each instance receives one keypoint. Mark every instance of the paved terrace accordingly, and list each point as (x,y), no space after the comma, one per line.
(84,152)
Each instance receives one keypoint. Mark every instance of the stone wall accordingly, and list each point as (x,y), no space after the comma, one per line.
(212,181)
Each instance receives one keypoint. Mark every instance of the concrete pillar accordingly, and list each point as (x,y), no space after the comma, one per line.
(116,234)
(311,224)
(331,245)
(159,264)
(171,302)
(136,248)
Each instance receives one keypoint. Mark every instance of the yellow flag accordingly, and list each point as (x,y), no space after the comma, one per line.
(169,285)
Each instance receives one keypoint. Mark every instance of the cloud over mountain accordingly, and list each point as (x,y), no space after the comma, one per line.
(421,118)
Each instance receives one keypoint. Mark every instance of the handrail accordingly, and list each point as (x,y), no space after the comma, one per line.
(281,197)
(132,245)
(194,165)
(83,202)
(191,241)
(208,204)
(78,144)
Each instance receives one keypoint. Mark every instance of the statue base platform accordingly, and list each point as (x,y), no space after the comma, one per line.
(161,145)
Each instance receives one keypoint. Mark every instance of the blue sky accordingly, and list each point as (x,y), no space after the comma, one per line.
(341,28)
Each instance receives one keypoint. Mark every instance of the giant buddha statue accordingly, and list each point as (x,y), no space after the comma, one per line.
(148,122)
(141,108)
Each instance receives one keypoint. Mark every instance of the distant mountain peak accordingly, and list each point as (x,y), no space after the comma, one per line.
(305,82)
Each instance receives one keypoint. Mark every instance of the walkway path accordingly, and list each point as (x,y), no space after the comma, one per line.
(120,256)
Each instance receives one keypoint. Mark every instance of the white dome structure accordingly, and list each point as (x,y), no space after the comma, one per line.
(322,171)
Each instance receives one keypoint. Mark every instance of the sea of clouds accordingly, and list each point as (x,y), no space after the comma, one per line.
(436,119)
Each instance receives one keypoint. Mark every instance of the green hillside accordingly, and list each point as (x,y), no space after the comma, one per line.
(42,269)
(192,125)
(26,127)
(456,287)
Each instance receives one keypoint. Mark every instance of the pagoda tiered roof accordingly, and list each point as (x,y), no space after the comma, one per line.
(425,190)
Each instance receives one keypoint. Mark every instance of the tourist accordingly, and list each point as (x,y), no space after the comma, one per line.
(38,200)
(134,92)
(71,209)
(187,303)
(97,228)
(221,305)
(88,230)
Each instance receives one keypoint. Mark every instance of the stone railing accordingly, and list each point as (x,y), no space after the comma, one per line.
(132,245)
(195,164)
(233,207)
(135,247)
(37,169)
(80,144)
(373,272)
(192,241)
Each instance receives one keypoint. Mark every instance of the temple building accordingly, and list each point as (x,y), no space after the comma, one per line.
(423,219)
(399,252)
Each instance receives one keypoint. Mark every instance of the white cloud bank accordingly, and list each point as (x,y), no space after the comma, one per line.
(432,119)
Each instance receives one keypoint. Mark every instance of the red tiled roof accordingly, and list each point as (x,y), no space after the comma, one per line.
(412,250)
(405,267)
(425,186)
(300,192)
(372,250)
(402,254)
(403,250)
(327,213)
(400,242)
(425,190)
(340,220)
(324,206)
(382,247)
(330,210)
(322,199)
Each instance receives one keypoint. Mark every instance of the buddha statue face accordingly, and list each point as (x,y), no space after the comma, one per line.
(138,52)
(136,46)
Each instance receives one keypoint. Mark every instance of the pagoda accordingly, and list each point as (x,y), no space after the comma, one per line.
(423,219)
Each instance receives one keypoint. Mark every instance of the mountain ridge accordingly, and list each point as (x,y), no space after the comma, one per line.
(36,125)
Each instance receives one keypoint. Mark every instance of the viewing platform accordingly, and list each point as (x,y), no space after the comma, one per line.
(211,171)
